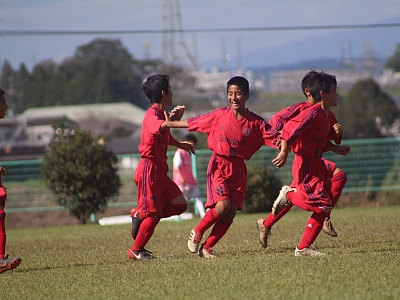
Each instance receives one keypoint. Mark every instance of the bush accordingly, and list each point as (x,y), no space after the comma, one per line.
(262,189)
(80,172)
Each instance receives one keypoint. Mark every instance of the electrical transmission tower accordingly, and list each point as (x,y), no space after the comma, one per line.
(174,49)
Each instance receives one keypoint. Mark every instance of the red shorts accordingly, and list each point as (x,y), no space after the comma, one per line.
(3,196)
(155,188)
(226,180)
(312,181)
(330,166)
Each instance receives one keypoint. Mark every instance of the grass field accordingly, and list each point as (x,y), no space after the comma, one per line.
(90,262)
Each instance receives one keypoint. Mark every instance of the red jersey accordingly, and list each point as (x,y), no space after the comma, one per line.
(308,132)
(153,143)
(232,138)
(280,118)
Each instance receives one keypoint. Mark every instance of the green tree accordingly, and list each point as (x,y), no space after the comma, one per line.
(80,171)
(7,84)
(99,72)
(104,71)
(6,78)
(22,87)
(40,76)
(394,61)
(367,111)
(54,84)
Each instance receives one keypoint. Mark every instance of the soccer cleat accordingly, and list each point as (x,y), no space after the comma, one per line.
(328,228)
(309,251)
(7,264)
(135,223)
(140,255)
(194,241)
(205,252)
(264,233)
(281,201)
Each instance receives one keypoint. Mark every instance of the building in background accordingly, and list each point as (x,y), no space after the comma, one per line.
(27,135)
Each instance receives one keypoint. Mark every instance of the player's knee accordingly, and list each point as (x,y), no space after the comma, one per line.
(222,208)
(338,174)
(336,171)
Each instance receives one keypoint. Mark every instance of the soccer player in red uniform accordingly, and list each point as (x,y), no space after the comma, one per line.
(5,262)
(308,136)
(338,177)
(234,134)
(158,196)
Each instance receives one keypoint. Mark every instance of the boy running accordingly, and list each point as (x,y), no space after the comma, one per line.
(234,135)
(6,263)
(337,176)
(158,196)
(308,136)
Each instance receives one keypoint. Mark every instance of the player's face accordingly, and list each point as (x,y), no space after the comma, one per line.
(331,98)
(237,98)
(3,106)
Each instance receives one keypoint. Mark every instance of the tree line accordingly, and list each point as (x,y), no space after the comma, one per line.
(98,72)
(103,71)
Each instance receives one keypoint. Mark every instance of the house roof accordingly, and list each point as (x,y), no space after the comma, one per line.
(124,111)
(123,145)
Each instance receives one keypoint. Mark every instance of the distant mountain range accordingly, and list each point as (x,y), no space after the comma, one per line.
(323,49)
(318,64)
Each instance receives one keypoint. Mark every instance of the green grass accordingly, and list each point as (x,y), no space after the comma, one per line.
(90,262)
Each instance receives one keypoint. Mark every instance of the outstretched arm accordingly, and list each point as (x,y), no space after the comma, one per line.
(168,123)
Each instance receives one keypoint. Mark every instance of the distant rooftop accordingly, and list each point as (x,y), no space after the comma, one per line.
(124,111)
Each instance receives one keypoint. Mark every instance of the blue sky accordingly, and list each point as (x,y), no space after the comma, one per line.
(249,49)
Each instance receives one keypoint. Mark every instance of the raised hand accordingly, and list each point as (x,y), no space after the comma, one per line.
(177,113)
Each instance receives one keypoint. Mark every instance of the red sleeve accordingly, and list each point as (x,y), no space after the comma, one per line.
(281,117)
(153,120)
(295,127)
(205,123)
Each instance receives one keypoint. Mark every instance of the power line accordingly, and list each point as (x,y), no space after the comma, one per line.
(246,29)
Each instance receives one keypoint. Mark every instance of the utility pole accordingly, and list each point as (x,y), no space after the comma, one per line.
(173,48)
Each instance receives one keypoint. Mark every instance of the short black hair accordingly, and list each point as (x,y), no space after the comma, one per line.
(154,85)
(191,138)
(2,92)
(241,82)
(323,82)
(308,80)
